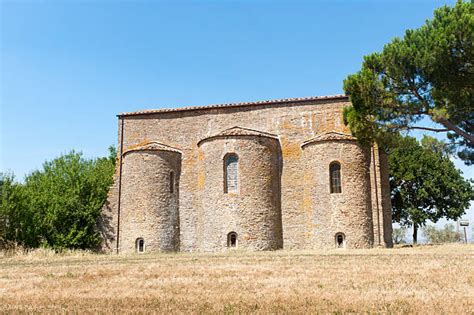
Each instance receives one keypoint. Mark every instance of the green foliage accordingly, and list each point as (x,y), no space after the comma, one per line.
(438,236)
(425,185)
(428,73)
(113,154)
(398,235)
(436,145)
(59,205)
(15,216)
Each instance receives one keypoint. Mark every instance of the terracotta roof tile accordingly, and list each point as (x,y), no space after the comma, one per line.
(242,104)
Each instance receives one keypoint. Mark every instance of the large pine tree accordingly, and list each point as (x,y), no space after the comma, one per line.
(429,73)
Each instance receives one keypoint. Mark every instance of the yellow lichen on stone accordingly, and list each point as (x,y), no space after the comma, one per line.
(139,144)
(286,124)
(307,202)
(290,149)
(201,156)
(201,180)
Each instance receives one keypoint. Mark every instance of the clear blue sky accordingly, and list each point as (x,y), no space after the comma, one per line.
(68,67)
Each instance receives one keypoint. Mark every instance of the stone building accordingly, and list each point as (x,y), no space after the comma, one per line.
(258,176)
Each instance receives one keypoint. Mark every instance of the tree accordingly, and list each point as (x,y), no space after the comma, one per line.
(16,219)
(113,154)
(427,74)
(67,196)
(446,235)
(57,206)
(437,146)
(425,185)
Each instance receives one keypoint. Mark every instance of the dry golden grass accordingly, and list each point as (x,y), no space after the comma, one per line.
(427,279)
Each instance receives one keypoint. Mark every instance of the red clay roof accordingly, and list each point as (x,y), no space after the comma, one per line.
(243,104)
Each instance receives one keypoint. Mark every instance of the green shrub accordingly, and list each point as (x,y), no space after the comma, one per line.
(57,206)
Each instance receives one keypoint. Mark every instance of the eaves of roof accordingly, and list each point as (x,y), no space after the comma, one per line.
(232,105)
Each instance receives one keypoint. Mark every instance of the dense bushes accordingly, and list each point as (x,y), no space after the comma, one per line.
(57,206)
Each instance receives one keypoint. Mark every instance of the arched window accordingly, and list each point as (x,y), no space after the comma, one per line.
(335,177)
(340,240)
(231,170)
(232,239)
(140,245)
(172,182)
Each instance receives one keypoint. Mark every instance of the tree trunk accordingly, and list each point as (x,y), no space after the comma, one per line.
(415,234)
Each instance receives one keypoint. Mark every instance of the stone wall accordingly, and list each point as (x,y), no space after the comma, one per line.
(150,199)
(253,210)
(348,213)
(293,123)
(381,203)
(385,203)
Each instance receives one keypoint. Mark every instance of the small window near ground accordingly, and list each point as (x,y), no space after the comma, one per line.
(340,240)
(140,245)
(232,239)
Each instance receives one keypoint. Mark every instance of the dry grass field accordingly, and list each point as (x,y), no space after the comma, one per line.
(426,279)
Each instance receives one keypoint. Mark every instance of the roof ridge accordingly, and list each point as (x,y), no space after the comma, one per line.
(237,131)
(151,145)
(329,135)
(268,134)
(238,104)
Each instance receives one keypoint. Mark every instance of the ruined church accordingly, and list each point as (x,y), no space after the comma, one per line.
(261,175)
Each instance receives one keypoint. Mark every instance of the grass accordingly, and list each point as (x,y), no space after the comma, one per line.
(425,279)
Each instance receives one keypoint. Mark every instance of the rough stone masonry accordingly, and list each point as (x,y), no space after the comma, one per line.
(256,176)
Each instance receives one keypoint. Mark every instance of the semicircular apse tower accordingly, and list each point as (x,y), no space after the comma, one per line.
(149,218)
(241,198)
(338,185)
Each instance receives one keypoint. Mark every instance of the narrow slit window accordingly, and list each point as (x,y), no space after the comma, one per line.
(335,178)
(172,182)
(231,170)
